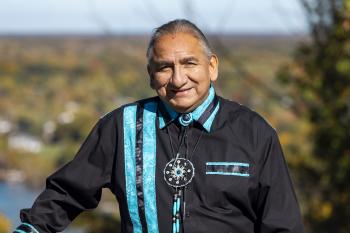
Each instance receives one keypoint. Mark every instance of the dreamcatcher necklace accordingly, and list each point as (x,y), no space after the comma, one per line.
(179,171)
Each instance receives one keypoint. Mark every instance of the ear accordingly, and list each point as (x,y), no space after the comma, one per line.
(213,67)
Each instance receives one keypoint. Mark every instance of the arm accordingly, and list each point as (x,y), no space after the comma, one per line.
(75,187)
(278,208)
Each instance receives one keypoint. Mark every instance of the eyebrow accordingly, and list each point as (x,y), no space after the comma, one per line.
(182,60)
(162,63)
(187,59)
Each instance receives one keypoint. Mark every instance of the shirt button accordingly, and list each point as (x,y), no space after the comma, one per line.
(187,214)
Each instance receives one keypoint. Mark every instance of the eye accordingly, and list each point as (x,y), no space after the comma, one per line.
(190,64)
(163,68)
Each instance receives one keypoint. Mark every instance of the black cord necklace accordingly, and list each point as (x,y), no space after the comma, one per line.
(179,171)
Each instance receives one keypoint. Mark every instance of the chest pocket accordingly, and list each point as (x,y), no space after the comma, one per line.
(227,168)
(228,183)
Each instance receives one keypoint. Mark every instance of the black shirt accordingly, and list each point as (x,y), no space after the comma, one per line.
(241,182)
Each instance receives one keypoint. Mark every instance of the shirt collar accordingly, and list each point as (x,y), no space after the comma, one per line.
(204,114)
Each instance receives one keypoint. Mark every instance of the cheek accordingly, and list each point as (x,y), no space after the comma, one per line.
(159,80)
(159,87)
(161,92)
(200,74)
(155,83)
(202,78)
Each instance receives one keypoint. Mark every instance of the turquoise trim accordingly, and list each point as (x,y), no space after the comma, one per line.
(129,125)
(19,231)
(31,226)
(227,174)
(149,165)
(173,114)
(177,225)
(197,113)
(228,163)
(209,122)
(161,121)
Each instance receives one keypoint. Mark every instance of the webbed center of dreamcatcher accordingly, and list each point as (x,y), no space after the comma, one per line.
(178,172)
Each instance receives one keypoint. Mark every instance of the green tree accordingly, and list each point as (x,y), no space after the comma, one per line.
(319,82)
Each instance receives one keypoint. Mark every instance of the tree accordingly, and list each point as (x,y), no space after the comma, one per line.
(5,224)
(319,82)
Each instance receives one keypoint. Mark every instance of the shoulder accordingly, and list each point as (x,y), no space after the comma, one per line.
(244,122)
(116,115)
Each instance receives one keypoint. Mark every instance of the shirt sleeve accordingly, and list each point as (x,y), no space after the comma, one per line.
(75,187)
(278,208)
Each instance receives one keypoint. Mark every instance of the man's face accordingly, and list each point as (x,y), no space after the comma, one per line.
(181,72)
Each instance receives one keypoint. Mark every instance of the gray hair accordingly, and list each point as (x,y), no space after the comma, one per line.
(175,26)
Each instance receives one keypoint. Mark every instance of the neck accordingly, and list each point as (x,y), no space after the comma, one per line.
(207,98)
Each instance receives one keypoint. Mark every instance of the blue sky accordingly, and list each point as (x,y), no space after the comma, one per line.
(139,16)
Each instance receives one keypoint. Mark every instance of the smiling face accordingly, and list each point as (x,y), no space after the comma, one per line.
(181,72)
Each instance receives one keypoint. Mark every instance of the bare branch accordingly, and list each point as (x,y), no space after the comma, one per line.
(103,25)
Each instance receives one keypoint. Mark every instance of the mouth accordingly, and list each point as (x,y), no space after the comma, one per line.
(181,92)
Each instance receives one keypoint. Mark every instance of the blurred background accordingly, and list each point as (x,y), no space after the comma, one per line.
(63,64)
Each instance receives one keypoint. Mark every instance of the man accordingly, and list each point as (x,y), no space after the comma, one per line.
(184,161)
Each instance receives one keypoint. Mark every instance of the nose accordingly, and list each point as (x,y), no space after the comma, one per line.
(179,78)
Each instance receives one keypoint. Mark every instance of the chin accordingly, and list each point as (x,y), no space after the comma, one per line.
(182,107)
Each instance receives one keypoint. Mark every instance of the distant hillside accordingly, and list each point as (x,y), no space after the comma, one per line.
(54,88)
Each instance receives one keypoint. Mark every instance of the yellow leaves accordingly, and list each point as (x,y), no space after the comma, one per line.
(5,224)
(9,67)
(347,5)
(321,210)
(7,83)
(343,66)
(126,78)
(326,210)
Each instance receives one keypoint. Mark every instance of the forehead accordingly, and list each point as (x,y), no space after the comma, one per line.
(181,43)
